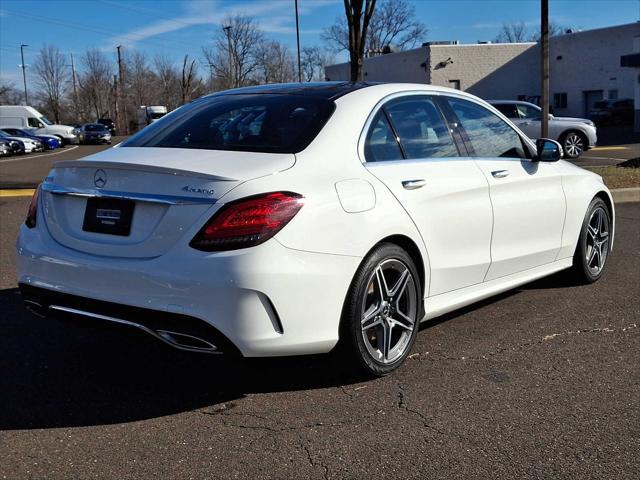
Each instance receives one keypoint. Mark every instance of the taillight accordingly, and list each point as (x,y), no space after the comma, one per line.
(248,222)
(32,214)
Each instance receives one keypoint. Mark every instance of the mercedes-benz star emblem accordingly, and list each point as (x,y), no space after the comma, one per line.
(100,178)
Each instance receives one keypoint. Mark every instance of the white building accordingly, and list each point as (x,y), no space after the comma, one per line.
(585,67)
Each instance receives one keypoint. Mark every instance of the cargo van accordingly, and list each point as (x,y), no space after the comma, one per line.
(28,118)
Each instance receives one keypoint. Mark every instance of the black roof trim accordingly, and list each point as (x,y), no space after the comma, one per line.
(328,90)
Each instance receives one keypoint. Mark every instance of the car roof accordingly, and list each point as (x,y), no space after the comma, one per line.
(328,90)
(515,102)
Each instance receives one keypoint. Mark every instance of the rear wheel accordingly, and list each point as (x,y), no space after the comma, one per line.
(573,144)
(593,247)
(381,313)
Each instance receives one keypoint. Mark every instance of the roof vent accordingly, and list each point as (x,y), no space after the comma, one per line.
(441,42)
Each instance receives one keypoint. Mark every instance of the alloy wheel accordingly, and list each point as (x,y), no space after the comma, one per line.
(390,310)
(573,145)
(597,238)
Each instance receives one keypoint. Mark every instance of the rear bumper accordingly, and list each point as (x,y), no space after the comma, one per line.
(267,300)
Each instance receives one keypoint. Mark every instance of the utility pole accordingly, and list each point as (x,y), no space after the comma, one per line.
(75,88)
(298,40)
(24,73)
(232,69)
(119,91)
(544,57)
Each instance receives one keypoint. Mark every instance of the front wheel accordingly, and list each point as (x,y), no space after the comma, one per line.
(594,243)
(573,144)
(381,313)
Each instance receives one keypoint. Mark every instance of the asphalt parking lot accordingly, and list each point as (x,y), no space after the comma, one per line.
(541,382)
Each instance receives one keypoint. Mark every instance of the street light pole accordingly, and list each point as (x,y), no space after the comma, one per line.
(544,54)
(75,88)
(298,40)
(24,73)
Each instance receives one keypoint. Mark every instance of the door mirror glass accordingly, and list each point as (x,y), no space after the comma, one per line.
(548,150)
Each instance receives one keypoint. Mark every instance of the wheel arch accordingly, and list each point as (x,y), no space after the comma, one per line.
(606,198)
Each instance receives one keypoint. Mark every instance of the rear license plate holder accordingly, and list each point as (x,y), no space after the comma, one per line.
(111,216)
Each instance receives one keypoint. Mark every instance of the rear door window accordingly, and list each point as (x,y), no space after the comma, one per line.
(422,130)
(507,109)
(381,144)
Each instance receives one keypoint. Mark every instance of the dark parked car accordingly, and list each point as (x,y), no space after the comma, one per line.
(613,112)
(50,142)
(94,133)
(17,147)
(107,122)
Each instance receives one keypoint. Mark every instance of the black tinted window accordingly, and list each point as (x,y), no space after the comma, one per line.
(381,144)
(507,109)
(277,123)
(94,127)
(490,136)
(421,128)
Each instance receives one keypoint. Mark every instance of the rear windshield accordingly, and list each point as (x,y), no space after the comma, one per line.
(273,123)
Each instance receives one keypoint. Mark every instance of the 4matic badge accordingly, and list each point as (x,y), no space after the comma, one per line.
(190,189)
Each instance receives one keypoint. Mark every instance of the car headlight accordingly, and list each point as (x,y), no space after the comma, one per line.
(75,131)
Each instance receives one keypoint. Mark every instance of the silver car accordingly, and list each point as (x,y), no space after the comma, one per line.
(576,135)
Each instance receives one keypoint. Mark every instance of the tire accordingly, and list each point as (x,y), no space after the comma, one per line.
(392,312)
(594,246)
(573,144)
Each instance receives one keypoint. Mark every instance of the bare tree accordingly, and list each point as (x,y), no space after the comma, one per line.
(234,58)
(393,23)
(190,85)
(52,75)
(515,32)
(275,63)
(141,79)
(96,87)
(358,22)
(9,94)
(169,90)
(313,61)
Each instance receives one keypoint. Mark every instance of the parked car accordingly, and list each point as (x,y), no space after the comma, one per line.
(16,146)
(94,133)
(5,148)
(24,117)
(107,122)
(291,219)
(49,142)
(576,135)
(29,144)
(613,112)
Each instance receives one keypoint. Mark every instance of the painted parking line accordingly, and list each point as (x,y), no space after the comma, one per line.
(17,192)
(609,148)
(30,157)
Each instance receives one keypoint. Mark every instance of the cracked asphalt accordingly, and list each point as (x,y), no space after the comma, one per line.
(541,382)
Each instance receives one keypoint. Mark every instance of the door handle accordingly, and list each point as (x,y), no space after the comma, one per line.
(500,173)
(413,184)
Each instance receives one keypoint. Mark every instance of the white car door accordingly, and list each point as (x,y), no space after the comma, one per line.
(410,148)
(527,196)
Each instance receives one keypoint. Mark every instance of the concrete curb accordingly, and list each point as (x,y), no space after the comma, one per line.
(626,195)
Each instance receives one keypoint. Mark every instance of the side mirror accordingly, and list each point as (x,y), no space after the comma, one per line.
(40,125)
(547,150)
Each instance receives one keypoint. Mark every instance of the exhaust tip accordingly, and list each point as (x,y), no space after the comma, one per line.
(182,340)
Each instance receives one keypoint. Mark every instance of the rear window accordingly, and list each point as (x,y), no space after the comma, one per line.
(272,123)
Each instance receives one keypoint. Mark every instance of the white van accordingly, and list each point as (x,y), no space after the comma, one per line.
(28,118)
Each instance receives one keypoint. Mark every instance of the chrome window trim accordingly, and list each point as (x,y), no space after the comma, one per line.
(138,197)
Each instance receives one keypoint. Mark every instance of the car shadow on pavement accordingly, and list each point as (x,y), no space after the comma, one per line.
(62,374)
(66,374)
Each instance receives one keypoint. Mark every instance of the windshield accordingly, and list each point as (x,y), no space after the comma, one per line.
(275,123)
(94,127)
(46,120)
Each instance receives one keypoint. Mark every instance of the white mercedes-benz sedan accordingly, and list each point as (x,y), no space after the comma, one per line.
(303,218)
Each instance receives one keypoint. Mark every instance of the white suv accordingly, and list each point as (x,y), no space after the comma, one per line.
(576,135)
